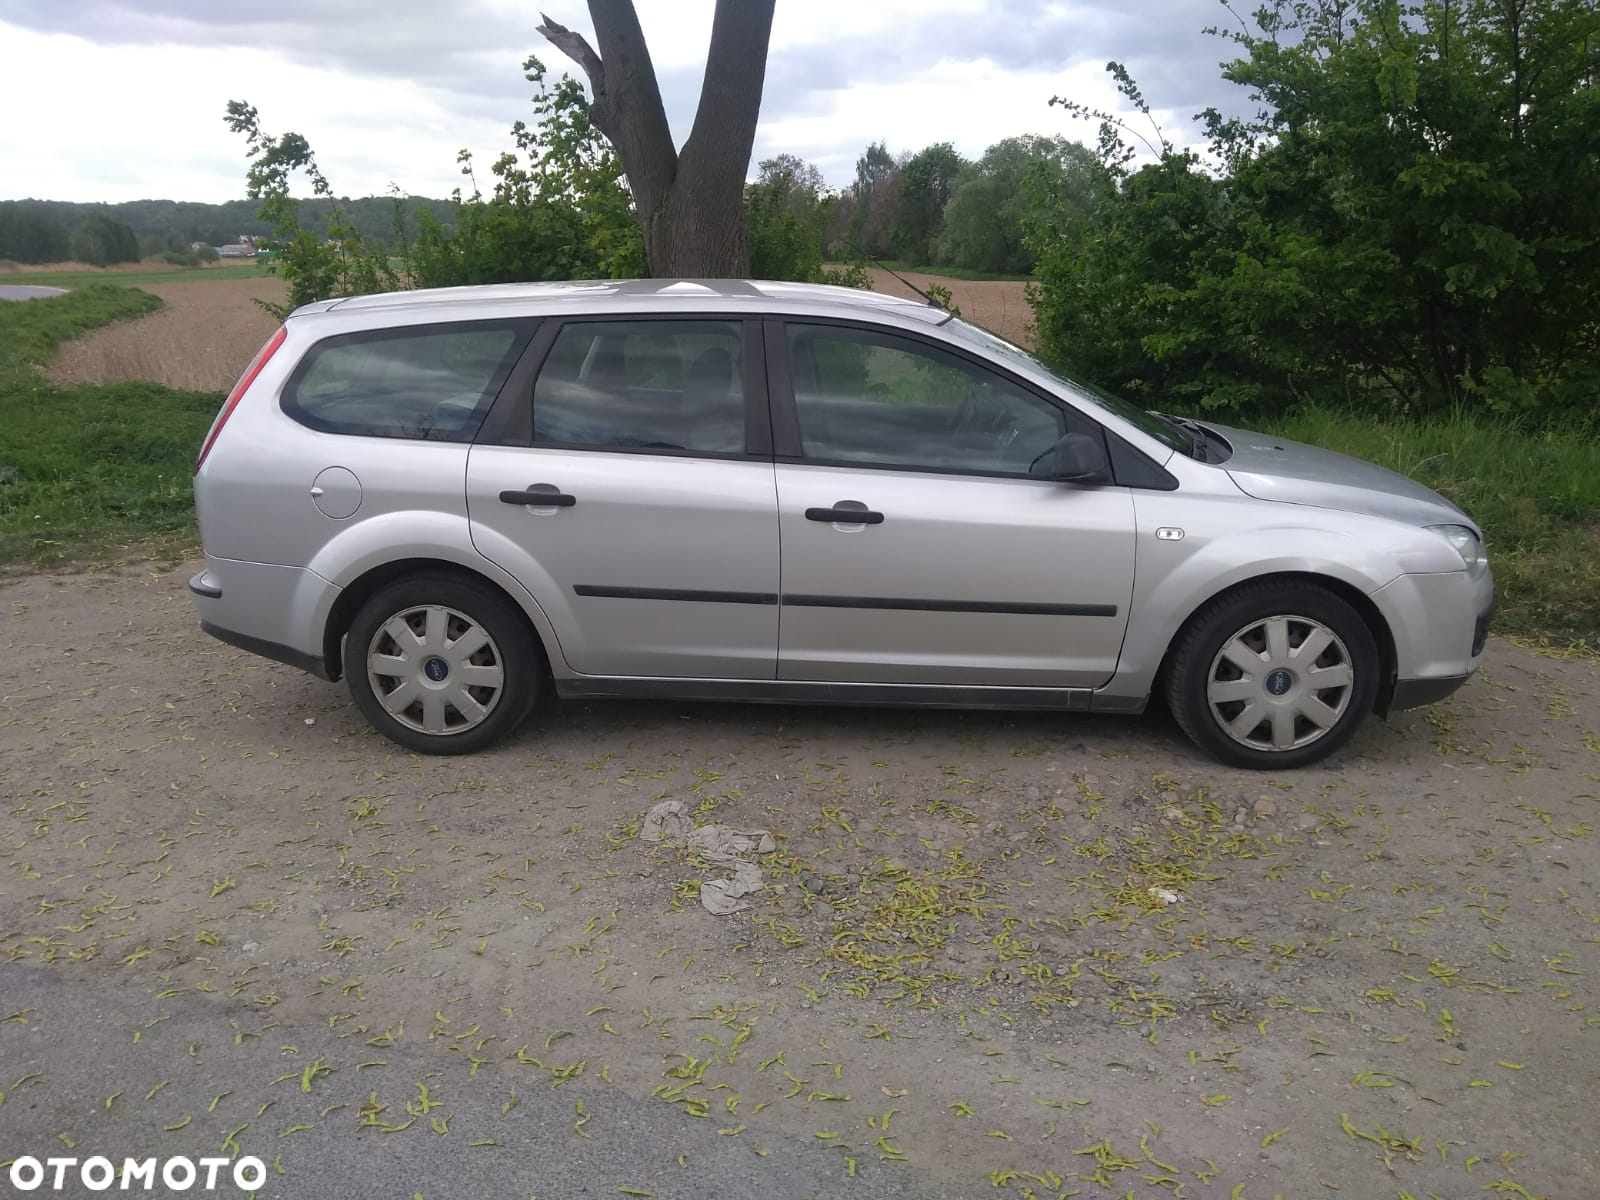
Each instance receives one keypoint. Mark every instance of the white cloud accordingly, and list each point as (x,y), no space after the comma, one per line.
(128,104)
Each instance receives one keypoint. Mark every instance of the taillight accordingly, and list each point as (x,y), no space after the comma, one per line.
(239,389)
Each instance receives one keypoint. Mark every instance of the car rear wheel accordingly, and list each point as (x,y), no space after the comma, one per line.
(441,665)
(1273,675)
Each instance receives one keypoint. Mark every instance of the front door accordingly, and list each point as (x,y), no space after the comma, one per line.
(637,517)
(916,546)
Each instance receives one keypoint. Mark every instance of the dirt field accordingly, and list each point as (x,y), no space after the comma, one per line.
(134,268)
(202,338)
(1000,305)
(1046,955)
(211,327)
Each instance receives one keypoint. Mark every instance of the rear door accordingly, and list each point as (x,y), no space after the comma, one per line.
(627,481)
(961,568)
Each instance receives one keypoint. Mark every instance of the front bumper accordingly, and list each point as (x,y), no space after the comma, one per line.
(1418,693)
(1440,624)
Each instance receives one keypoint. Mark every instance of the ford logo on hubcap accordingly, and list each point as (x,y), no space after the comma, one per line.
(1279,682)
(436,669)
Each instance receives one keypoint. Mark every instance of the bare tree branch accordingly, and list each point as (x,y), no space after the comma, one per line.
(626,104)
(578,50)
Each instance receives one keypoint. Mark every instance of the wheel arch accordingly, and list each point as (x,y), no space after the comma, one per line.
(1368,611)
(371,581)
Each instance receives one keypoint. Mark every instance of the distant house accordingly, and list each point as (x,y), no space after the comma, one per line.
(237,250)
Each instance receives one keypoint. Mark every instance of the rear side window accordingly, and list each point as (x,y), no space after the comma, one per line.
(423,382)
(643,385)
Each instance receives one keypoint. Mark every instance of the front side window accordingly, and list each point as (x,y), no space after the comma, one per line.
(1165,432)
(422,382)
(870,397)
(643,385)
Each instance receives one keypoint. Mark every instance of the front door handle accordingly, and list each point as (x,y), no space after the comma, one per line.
(845,512)
(540,495)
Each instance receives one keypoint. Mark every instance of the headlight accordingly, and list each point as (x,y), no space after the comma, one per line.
(1467,545)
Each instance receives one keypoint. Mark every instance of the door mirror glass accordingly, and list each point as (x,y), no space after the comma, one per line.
(1075,458)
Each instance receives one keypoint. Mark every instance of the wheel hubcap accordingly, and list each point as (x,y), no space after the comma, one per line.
(435,670)
(1280,683)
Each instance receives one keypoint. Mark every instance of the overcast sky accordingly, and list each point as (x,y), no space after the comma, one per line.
(123,99)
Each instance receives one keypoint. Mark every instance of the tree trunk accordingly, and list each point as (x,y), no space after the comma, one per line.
(690,205)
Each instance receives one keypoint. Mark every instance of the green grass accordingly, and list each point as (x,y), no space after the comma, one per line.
(87,469)
(1536,494)
(895,264)
(132,276)
(30,330)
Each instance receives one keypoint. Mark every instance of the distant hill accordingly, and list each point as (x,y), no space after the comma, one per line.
(186,221)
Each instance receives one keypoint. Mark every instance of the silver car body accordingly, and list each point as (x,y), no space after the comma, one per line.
(975,591)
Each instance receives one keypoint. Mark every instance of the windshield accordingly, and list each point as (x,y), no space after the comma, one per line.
(1165,433)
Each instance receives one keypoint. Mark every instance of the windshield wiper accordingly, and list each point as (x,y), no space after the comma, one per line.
(1199,436)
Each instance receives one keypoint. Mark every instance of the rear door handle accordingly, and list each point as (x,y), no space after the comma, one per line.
(538,497)
(844,513)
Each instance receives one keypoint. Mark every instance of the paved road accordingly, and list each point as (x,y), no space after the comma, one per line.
(13,291)
(532,1151)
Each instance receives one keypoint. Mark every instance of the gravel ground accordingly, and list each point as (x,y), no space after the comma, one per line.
(997,954)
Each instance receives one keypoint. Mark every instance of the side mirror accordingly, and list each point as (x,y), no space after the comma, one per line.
(1076,458)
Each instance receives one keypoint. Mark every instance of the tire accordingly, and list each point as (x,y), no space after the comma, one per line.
(1243,656)
(442,664)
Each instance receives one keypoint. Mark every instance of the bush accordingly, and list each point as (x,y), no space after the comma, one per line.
(850,275)
(1406,225)
(178,258)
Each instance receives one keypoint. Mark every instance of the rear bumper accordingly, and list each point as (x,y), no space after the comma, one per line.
(315,664)
(278,612)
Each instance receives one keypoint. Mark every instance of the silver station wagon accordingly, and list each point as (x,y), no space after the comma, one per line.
(725,490)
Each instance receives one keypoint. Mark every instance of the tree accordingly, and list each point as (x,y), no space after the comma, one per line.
(926,182)
(872,201)
(342,263)
(690,202)
(799,183)
(1420,194)
(30,236)
(100,241)
(786,213)
(1016,180)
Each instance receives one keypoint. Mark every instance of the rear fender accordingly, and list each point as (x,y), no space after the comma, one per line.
(442,537)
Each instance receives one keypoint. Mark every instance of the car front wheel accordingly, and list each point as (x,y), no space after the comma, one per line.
(441,665)
(1273,675)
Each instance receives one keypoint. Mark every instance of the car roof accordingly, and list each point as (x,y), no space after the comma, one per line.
(603,296)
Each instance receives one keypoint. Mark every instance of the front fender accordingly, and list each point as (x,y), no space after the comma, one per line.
(1174,578)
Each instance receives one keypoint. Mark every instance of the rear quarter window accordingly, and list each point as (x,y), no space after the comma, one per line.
(422,382)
